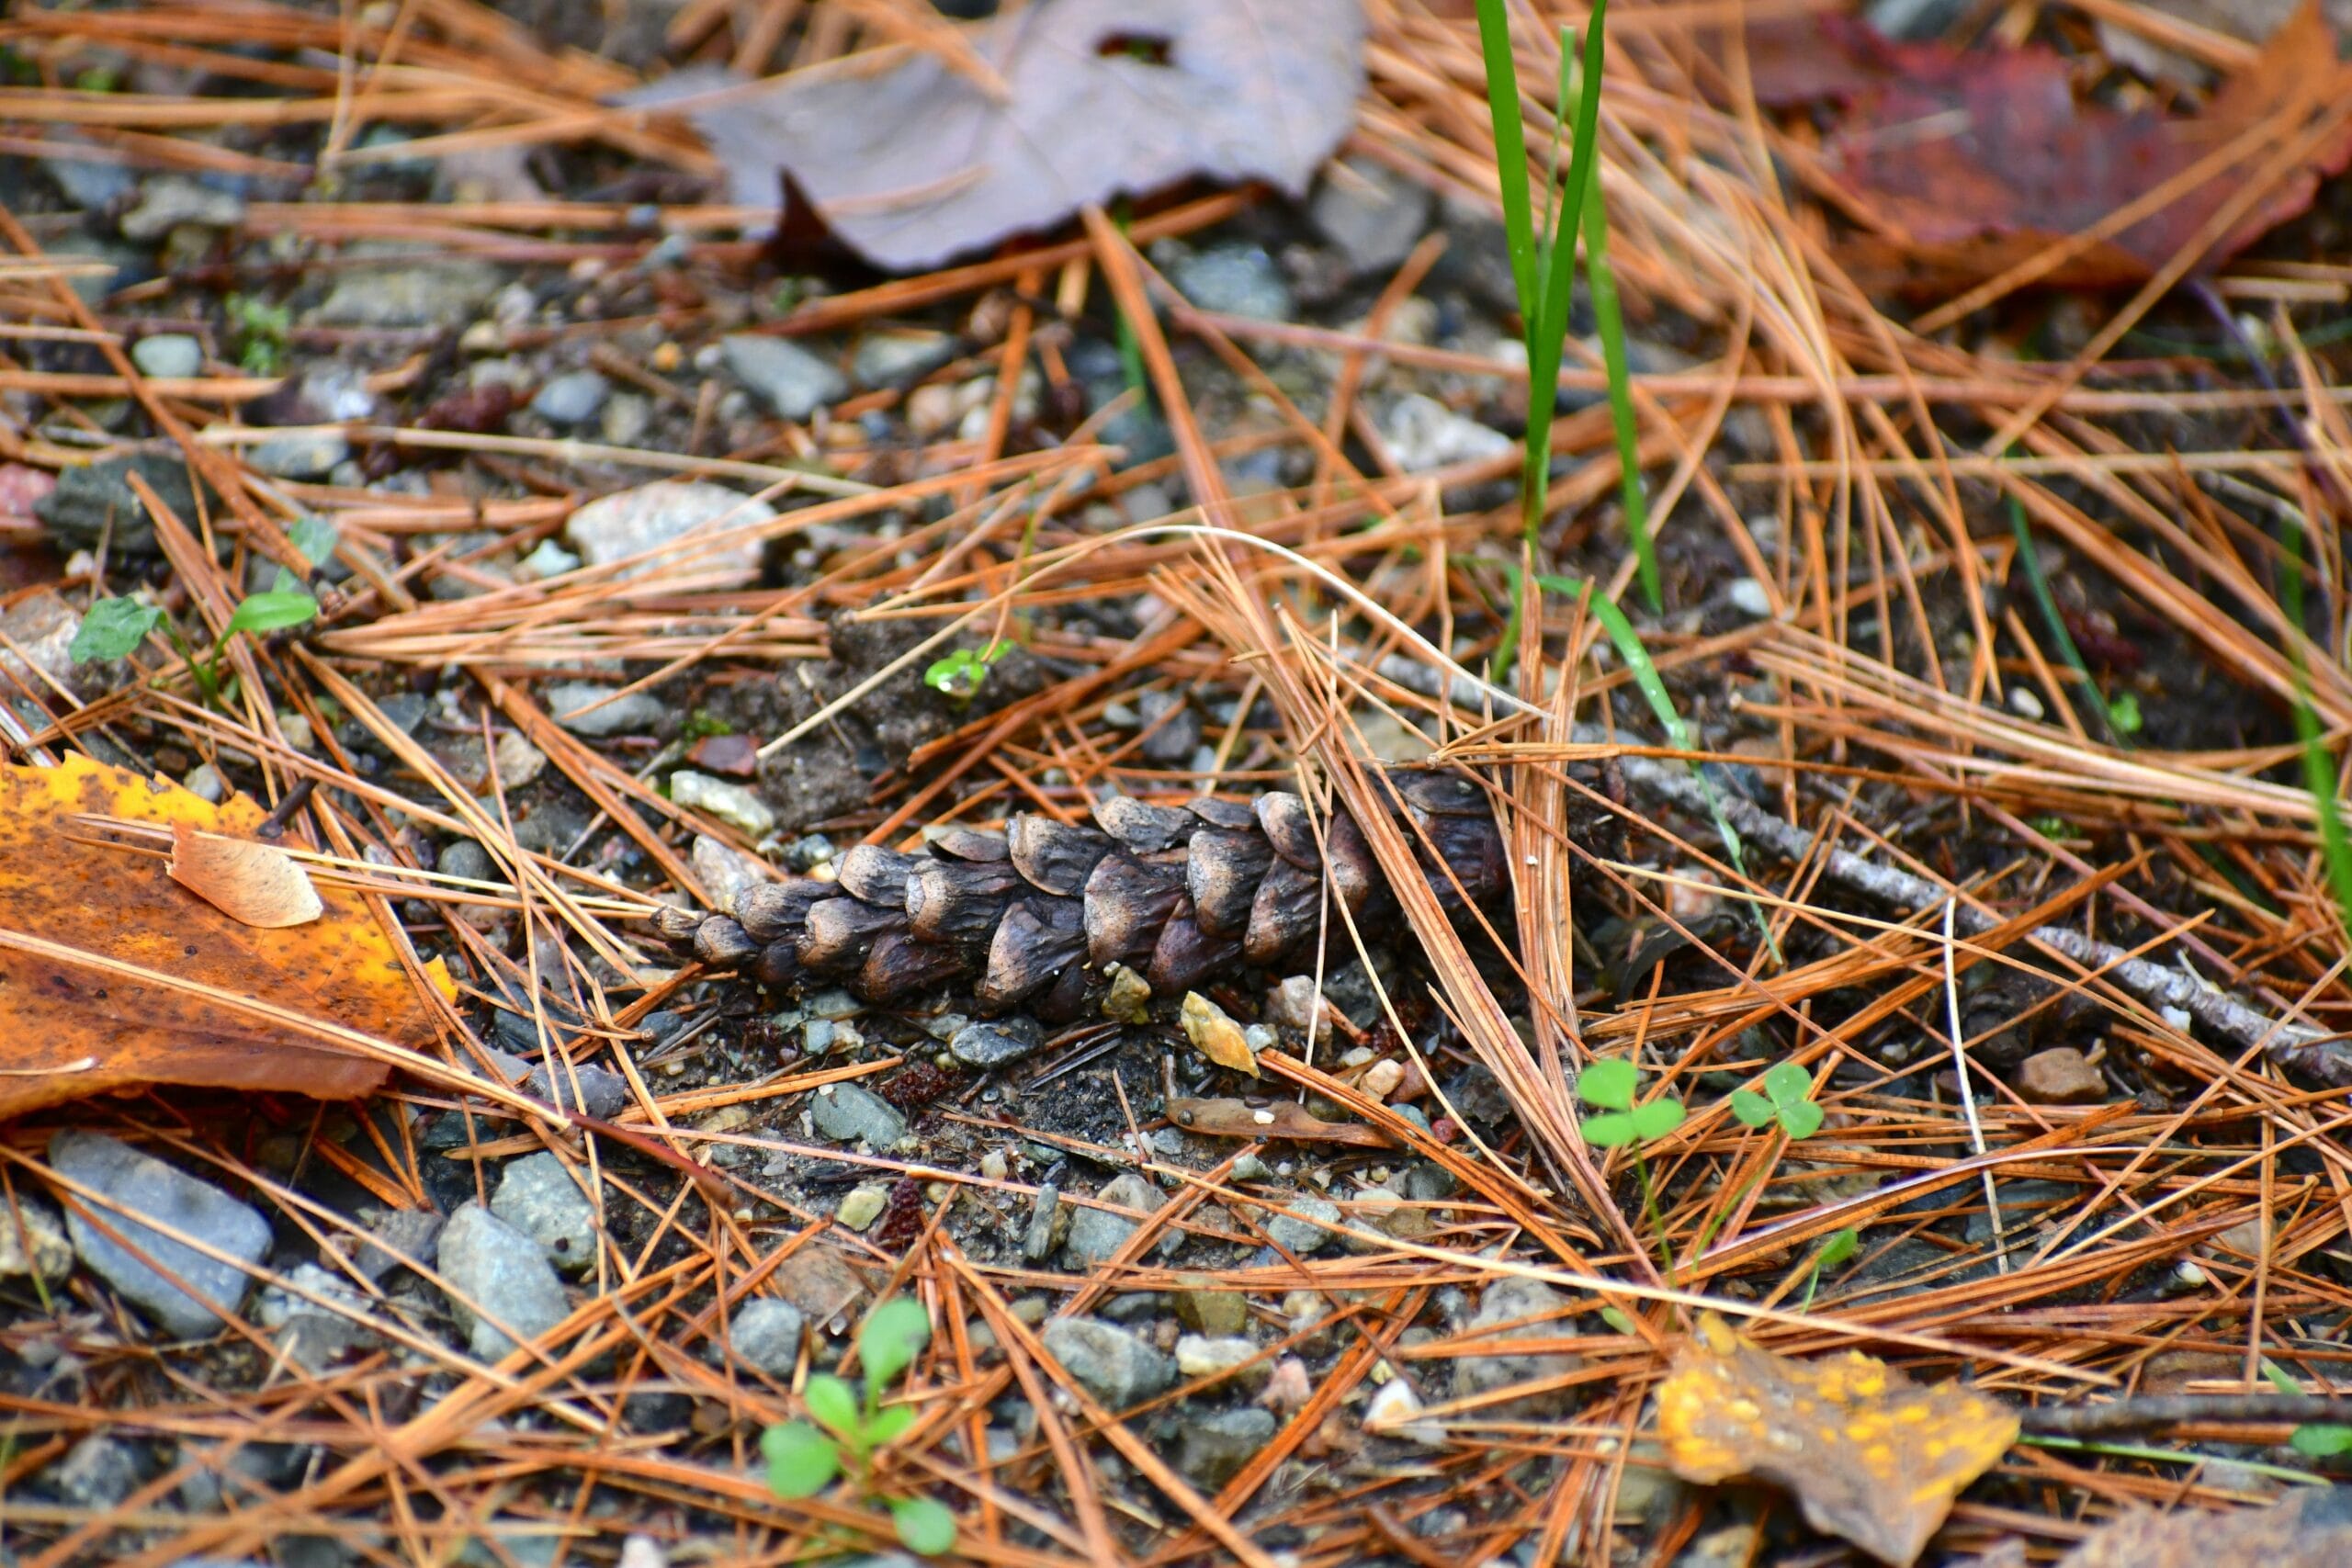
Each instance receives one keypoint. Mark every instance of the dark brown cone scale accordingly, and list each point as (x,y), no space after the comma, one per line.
(1035,917)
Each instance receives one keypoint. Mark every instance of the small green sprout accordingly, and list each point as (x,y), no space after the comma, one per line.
(2314,1439)
(1840,1246)
(315,537)
(1787,1100)
(958,676)
(261,329)
(2124,712)
(803,1458)
(1609,1084)
(113,628)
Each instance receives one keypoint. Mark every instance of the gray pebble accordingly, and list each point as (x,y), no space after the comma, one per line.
(995,1042)
(573,397)
(488,1264)
(1423,433)
(848,1114)
(169,201)
(627,417)
(168,356)
(421,289)
(1302,1236)
(97,1472)
(1115,1365)
(301,454)
(1095,1234)
(466,858)
(765,1335)
(1372,215)
(898,358)
(601,1093)
(1234,280)
(571,703)
(1047,1217)
(171,1199)
(1211,1449)
(795,382)
(651,516)
(1503,1301)
(312,1335)
(538,1196)
(730,803)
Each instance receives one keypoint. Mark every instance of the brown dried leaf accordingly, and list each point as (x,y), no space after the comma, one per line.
(257,884)
(69,1029)
(1871,1456)
(1966,163)
(912,161)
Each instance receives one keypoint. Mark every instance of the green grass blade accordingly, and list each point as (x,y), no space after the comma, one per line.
(1558,288)
(1510,156)
(1612,319)
(2319,768)
(2055,623)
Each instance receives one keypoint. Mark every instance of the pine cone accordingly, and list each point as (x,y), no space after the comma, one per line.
(1035,916)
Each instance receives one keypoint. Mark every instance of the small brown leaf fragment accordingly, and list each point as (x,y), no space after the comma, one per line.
(252,883)
(1873,1457)
(1283,1119)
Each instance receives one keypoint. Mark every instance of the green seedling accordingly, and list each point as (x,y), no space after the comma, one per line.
(1787,1100)
(804,1456)
(1840,1246)
(1622,1123)
(2312,1440)
(113,628)
(959,675)
(260,329)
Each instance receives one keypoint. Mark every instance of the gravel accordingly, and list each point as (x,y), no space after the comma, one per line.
(422,289)
(1308,1235)
(655,517)
(765,1335)
(1213,1448)
(997,1042)
(571,703)
(1095,1236)
(97,1472)
(168,356)
(730,803)
(490,1265)
(848,1114)
(574,398)
(1233,280)
(1503,1301)
(33,1240)
(167,202)
(1423,433)
(601,1090)
(172,1199)
(1115,1365)
(795,382)
(538,1196)
(1372,215)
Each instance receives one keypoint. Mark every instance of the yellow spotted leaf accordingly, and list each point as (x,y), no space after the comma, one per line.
(115,976)
(1871,1456)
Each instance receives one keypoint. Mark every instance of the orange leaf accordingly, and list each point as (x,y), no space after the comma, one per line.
(69,1029)
(257,884)
(1871,1456)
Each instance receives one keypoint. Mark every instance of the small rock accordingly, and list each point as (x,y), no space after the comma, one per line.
(996,1042)
(732,804)
(1215,1035)
(1204,1356)
(168,356)
(1423,433)
(575,706)
(2062,1076)
(547,560)
(765,1335)
(312,1335)
(1095,1236)
(169,201)
(1296,1005)
(1223,1313)
(1747,596)
(795,382)
(1372,215)
(1115,1365)
(205,783)
(725,873)
(642,1551)
(421,288)
(301,455)
(1306,1236)
(91,500)
(1504,1301)
(399,1236)
(97,1472)
(627,416)
(864,1205)
(1391,1415)
(490,1265)
(1211,1449)
(1380,1079)
(573,397)
(33,1239)
(41,629)
(898,358)
(1233,280)
(655,517)
(1049,1219)
(538,1196)
(2025,704)
(848,1114)
(170,1198)
(817,1280)
(808,852)
(1129,997)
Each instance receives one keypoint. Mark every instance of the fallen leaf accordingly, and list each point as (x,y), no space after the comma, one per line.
(69,1030)
(2310,1529)
(255,884)
(1961,164)
(912,161)
(1873,1457)
(1215,1034)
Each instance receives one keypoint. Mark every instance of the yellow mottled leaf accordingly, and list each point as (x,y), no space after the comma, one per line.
(1215,1034)
(1871,1456)
(113,975)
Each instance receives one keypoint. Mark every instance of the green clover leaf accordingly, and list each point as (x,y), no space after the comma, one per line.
(925,1527)
(1610,1131)
(1609,1084)
(801,1461)
(1655,1119)
(1751,1108)
(1799,1120)
(111,629)
(1788,1083)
